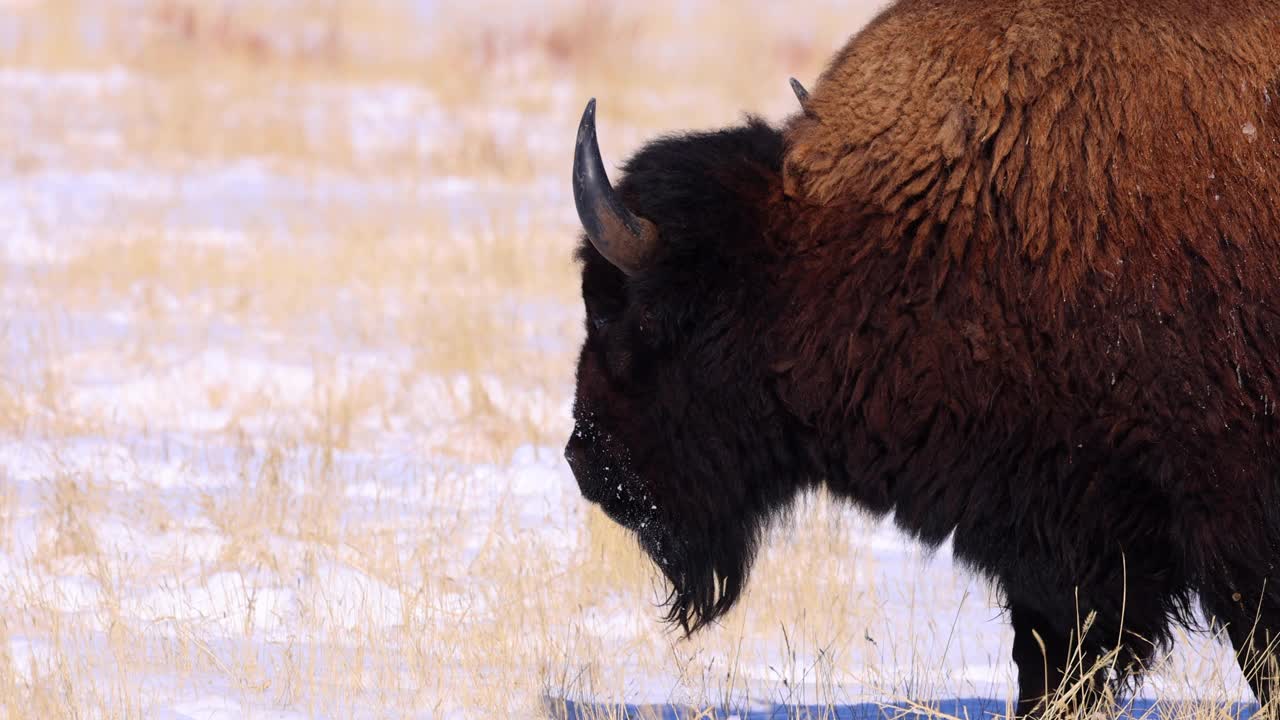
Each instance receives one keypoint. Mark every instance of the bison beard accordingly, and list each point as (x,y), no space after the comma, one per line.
(706,577)
(1012,274)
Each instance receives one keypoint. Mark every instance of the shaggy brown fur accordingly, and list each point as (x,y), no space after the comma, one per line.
(1015,278)
(1068,240)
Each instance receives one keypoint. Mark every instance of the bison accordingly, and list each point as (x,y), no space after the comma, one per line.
(1012,274)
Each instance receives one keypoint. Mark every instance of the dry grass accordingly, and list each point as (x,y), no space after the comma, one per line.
(289,314)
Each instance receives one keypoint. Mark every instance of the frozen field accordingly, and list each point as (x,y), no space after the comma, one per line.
(288,319)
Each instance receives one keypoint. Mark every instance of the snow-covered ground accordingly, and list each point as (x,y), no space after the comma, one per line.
(280,432)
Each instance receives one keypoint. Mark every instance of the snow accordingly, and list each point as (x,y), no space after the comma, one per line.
(218,707)
(89,82)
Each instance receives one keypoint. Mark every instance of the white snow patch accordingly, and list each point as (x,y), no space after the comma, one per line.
(96,81)
(220,707)
(30,658)
(345,598)
(228,604)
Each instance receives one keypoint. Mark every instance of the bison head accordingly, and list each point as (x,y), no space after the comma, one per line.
(679,435)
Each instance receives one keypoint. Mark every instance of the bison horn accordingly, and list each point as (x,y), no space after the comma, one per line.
(801,94)
(623,238)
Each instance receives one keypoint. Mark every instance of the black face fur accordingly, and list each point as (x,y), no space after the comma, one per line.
(677,436)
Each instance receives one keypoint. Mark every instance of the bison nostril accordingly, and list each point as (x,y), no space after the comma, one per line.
(578,455)
(575,455)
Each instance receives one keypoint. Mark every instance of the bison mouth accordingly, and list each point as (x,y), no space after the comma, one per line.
(606,477)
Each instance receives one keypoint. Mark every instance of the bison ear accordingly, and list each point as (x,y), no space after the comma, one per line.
(624,239)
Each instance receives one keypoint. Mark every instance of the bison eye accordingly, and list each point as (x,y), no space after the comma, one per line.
(598,322)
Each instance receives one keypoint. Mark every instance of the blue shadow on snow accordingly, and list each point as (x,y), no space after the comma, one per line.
(965,709)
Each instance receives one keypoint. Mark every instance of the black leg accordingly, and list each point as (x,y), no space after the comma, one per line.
(1045,671)
(1039,669)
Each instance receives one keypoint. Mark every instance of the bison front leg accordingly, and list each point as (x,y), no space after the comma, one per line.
(1051,666)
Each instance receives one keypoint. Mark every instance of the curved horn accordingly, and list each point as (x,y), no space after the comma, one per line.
(624,239)
(801,94)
